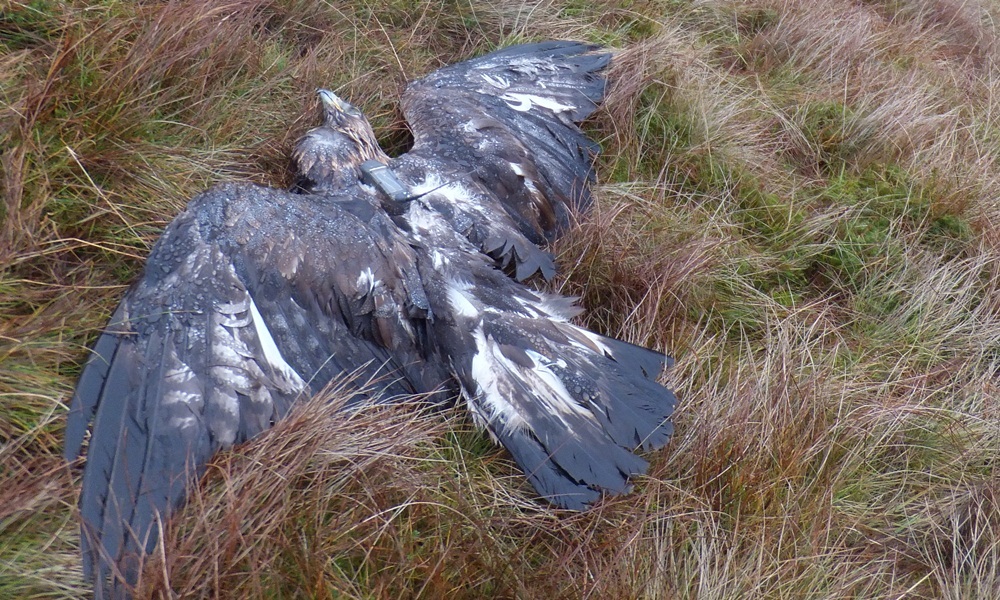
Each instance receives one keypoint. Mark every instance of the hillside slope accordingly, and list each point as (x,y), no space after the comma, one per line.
(797,199)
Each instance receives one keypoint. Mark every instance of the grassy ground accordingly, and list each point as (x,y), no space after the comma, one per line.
(798,200)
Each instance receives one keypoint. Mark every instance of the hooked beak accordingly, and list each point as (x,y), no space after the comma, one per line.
(332,102)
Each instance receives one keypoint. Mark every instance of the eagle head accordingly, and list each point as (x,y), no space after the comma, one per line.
(330,155)
(340,115)
(337,112)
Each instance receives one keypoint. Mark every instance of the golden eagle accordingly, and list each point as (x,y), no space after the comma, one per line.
(406,270)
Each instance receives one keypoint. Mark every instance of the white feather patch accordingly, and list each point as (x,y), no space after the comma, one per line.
(460,300)
(525,102)
(544,307)
(272,355)
(426,185)
(183,422)
(439,260)
(495,81)
(491,406)
(175,396)
(366,281)
(553,392)
(494,403)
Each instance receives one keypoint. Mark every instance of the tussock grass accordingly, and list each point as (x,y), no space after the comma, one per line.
(359,474)
(796,199)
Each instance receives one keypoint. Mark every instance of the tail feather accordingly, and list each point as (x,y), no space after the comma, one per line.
(577,451)
(547,478)
(571,406)
(640,414)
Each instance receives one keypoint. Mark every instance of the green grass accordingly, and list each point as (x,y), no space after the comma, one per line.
(796,200)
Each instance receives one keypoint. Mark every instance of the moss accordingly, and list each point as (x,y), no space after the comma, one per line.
(828,130)
(736,40)
(665,132)
(886,209)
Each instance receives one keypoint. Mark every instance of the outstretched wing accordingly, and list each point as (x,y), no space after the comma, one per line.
(500,133)
(251,298)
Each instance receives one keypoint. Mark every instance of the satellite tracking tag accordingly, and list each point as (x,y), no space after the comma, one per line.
(380,176)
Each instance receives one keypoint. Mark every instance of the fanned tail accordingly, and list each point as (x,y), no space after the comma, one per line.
(571,406)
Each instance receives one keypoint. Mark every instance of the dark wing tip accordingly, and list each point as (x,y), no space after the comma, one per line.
(91,386)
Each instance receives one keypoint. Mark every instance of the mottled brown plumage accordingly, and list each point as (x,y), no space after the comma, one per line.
(255,297)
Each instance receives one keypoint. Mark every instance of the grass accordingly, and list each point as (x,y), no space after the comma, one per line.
(797,200)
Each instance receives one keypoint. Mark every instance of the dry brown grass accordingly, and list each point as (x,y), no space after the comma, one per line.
(262,515)
(797,199)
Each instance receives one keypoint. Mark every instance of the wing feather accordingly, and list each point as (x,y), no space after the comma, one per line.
(505,125)
(90,388)
(251,297)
